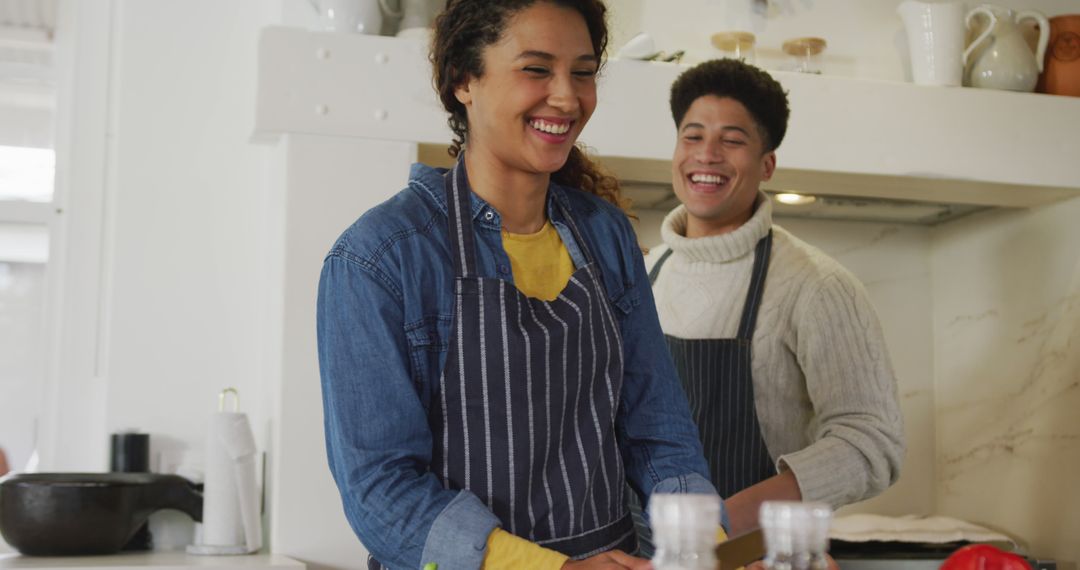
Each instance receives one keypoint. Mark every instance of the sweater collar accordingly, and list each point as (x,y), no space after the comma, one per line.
(723,247)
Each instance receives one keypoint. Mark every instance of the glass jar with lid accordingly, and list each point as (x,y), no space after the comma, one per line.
(735,45)
(804,54)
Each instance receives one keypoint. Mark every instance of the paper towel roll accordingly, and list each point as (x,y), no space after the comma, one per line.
(231,522)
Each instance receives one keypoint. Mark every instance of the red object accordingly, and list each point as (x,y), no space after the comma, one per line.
(984,557)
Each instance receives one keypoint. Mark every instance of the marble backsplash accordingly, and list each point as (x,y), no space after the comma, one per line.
(982,317)
(1006,289)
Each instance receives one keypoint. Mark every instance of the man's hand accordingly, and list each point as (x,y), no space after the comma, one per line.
(613,560)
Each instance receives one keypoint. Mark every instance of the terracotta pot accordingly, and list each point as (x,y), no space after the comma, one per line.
(1061,71)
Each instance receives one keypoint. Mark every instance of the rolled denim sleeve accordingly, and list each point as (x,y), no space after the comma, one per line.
(377,436)
(659,440)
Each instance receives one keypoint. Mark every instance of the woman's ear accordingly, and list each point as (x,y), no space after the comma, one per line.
(462,92)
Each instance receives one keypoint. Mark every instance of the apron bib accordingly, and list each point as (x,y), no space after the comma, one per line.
(525,414)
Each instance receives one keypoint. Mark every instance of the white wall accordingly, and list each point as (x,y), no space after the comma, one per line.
(189,246)
(328,182)
(162,253)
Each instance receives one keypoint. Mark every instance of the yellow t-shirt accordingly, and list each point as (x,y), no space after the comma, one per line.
(508,552)
(540,262)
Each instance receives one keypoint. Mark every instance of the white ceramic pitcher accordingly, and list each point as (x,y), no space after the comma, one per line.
(417,16)
(935,32)
(999,56)
(353,16)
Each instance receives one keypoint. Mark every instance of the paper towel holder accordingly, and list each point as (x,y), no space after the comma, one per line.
(231,518)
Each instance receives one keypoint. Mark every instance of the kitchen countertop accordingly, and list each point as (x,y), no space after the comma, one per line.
(161,560)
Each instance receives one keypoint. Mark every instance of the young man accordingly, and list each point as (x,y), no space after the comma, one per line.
(777,345)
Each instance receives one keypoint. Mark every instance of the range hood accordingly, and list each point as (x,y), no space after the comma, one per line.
(658,195)
(845,208)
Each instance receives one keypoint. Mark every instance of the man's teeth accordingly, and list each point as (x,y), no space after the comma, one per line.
(707,179)
(553,128)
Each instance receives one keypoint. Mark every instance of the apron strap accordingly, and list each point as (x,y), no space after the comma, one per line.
(458,210)
(757,287)
(655,272)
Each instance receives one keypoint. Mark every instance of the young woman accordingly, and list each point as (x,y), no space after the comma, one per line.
(493,369)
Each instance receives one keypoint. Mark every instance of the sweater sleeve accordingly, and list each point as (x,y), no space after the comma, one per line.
(858,431)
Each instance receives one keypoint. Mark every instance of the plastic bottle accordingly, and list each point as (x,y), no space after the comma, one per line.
(796,535)
(684,531)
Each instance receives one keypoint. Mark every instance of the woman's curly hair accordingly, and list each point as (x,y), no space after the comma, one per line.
(464,29)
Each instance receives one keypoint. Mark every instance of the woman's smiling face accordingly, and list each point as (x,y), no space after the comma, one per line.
(537,90)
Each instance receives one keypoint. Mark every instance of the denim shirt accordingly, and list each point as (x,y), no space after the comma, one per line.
(385,310)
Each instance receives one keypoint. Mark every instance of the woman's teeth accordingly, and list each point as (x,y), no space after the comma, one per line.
(707,179)
(553,128)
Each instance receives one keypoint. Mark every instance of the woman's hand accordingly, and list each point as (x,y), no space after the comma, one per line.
(613,560)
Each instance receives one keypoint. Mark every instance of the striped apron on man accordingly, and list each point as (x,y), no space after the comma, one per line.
(717,377)
(525,414)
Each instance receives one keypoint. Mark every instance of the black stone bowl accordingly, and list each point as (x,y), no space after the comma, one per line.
(67,514)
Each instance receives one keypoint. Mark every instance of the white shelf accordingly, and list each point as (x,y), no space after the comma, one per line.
(847,137)
(152,560)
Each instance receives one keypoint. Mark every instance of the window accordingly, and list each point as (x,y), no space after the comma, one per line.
(27,166)
(26,173)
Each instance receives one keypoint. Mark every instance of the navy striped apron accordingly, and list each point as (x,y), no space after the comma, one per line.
(718,379)
(525,415)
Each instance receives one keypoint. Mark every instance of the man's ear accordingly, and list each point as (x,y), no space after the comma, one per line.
(768,164)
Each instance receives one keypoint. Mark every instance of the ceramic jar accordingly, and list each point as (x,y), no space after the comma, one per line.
(1061,73)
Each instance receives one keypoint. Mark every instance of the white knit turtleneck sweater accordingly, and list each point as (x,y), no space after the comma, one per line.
(824,388)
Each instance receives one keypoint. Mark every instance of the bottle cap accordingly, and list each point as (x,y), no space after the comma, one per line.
(795,527)
(684,521)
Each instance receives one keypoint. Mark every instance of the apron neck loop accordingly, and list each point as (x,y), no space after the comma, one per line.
(584,247)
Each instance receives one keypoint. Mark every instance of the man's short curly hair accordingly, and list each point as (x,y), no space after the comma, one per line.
(762,95)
